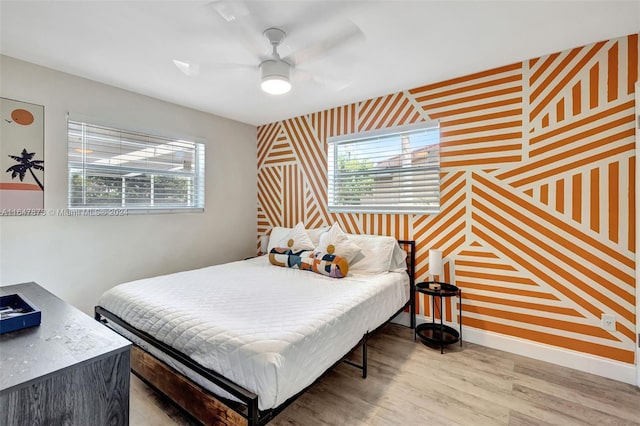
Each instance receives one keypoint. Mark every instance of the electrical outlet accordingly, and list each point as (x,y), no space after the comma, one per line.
(609,322)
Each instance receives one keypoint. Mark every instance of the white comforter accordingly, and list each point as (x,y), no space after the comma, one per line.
(269,329)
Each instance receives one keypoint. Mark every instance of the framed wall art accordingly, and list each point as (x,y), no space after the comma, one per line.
(21,155)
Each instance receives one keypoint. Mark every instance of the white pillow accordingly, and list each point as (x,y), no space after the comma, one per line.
(297,239)
(280,234)
(316,233)
(343,247)
(378,254)
(398,259)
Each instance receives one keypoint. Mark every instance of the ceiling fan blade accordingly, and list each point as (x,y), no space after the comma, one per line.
(349,33)
(331,83)
(324,15)
(189,69)
(242,24)
(301,74)
(230,10)
(192,69)
(230,66)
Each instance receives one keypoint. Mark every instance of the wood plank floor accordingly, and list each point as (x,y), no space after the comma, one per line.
(411,384)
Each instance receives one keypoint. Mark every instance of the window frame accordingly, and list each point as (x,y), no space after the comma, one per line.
(196,191)
(333,143)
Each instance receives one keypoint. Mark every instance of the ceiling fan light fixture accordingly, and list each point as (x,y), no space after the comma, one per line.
(275,77)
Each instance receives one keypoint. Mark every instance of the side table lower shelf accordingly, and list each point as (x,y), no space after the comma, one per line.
(436,334)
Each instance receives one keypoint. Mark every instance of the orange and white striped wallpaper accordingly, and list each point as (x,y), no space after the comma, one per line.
(537,222)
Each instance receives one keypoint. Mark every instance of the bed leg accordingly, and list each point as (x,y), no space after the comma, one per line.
(252,412)
(98,316)
(364,358)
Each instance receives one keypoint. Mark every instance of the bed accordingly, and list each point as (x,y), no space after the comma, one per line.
(237,343)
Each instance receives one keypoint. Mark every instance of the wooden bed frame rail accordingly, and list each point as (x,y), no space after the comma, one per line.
(151,370)
(211,409)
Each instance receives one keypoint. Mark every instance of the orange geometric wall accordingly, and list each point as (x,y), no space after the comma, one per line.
(537,222)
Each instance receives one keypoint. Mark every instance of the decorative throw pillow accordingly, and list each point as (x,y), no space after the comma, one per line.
(316,233)
(343,247)
(321,263)
(297,239)
(330,265)
(290,258)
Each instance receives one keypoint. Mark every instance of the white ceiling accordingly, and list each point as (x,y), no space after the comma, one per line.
(131,44)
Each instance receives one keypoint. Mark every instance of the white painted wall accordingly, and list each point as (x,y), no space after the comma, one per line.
(78,258)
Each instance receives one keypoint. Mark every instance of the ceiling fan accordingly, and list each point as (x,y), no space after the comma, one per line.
(276,73)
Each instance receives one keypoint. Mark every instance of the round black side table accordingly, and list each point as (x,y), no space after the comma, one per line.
(433,333)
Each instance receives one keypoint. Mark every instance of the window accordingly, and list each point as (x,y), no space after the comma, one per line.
(390,171)
(114,168)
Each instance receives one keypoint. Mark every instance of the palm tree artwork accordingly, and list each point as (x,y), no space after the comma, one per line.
(26,163)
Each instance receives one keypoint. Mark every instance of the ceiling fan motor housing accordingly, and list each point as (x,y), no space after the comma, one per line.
(274,68)
(275,73)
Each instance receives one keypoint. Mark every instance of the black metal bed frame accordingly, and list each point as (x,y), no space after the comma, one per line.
(248,408)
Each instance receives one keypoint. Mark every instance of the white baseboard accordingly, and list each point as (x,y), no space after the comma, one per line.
(403,318)
(588,363)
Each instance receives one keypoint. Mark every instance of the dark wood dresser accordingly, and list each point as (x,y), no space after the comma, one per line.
(69,370)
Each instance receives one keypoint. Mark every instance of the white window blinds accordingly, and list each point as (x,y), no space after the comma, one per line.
(115,168)
(390,171)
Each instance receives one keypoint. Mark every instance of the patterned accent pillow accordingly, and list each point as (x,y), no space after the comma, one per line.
(290,258)
(321,263)
(330,265)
